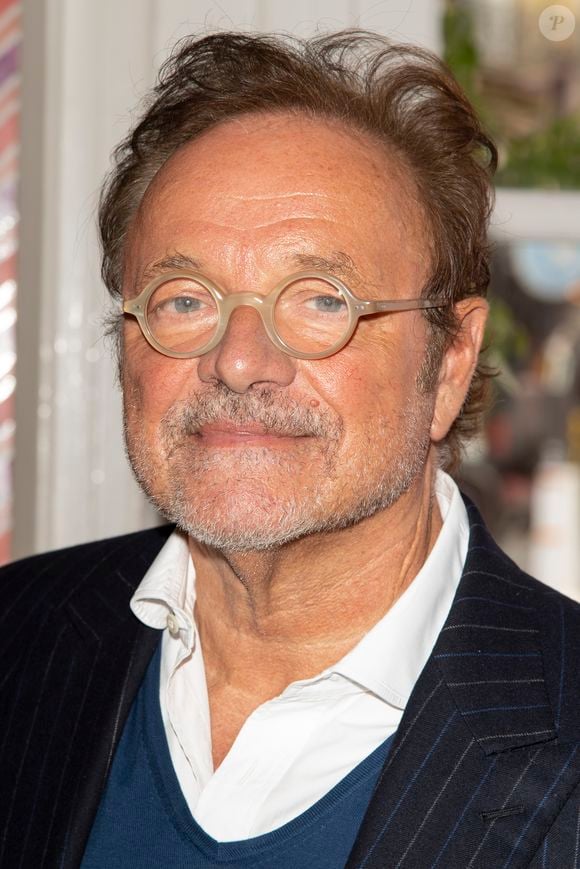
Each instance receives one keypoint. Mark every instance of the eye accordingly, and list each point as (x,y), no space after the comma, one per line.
(327,304)
(185,304)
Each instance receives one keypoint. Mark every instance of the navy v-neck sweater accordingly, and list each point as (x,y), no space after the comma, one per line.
(144,821)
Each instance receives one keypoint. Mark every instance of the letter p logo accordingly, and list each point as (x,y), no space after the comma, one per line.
(557,23)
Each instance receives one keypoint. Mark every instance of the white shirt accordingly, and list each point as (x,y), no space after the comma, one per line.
(293,749)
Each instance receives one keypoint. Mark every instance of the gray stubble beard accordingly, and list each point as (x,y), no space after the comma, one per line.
(271,518)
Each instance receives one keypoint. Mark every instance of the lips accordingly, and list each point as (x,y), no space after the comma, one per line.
(228,433)
(225,427)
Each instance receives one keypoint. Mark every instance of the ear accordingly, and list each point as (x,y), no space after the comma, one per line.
(458,364)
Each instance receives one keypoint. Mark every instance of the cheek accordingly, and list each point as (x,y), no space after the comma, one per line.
(372,383)
(152,383)
(377,364)
(361,386)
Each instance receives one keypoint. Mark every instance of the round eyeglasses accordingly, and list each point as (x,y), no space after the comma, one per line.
(309,314)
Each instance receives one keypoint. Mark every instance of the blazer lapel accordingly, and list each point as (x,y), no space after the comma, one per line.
(475,776)
(116,666)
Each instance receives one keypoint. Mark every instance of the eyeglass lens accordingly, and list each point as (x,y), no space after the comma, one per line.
(310,315)
(182,315)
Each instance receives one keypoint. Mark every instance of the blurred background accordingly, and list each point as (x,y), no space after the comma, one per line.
(71,75)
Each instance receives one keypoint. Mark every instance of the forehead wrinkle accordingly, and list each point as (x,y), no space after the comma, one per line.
(266,197)
(263,225)
(260,210)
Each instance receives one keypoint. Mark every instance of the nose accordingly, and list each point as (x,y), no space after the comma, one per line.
(245,357)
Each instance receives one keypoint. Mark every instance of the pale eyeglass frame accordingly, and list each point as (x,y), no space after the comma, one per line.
(227,302)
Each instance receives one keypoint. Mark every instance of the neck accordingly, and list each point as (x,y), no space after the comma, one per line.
(270,618)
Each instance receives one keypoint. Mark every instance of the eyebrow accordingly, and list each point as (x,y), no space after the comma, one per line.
(338,263)
(168,263)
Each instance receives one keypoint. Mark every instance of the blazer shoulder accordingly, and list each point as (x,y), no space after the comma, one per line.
(85,589)
(558,622)
(485,557)
(529,607)
(53,574)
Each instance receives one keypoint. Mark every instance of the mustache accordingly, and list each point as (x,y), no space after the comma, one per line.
(279,415)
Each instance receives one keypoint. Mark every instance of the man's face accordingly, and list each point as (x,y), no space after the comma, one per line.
(247,447)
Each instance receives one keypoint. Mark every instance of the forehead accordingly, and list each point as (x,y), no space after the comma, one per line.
(270,182)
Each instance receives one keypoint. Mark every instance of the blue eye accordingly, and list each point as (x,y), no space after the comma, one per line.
(185,304)
(329,304)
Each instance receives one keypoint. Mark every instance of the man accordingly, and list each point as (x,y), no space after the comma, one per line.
(329,662)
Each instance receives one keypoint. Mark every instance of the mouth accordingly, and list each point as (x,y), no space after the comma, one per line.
(231,434)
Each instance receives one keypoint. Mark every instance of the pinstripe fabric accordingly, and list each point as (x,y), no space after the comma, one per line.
(72,657)
(484,770)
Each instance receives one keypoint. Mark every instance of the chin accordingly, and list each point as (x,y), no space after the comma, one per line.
(250,521)
(259,520)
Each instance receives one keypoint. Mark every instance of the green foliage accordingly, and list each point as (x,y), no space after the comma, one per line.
(549,158)
(460,52)
(507,337)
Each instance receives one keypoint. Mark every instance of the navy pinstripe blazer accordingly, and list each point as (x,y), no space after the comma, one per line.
(484,771)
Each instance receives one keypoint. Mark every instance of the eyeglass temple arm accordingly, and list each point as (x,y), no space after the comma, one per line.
(132,306)
(371,307)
